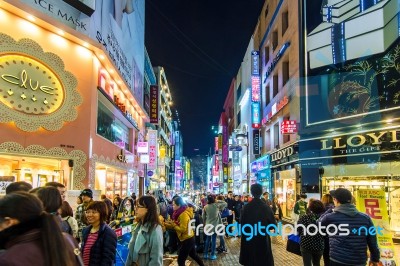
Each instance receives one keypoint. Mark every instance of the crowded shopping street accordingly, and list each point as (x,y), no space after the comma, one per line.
(240,132)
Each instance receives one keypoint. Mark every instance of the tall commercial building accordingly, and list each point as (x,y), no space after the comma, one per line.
(71,105)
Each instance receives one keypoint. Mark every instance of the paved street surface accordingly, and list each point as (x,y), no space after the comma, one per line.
(281,256)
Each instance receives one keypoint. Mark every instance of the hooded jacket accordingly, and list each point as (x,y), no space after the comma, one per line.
(350,249)
(181,227)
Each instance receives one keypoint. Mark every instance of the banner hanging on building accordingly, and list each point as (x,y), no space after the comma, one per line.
(152,139)
(154,105)
(373,203)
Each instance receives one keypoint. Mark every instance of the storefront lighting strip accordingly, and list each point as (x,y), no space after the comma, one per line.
(348,133)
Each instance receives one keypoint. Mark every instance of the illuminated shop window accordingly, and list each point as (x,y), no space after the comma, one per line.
(111,128)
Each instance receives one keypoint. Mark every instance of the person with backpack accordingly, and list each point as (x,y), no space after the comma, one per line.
(224,213)
(311,246)
(69,224)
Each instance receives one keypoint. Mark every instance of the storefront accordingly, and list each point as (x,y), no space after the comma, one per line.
(33,170)
(286,177)
(359,160)
(68,112)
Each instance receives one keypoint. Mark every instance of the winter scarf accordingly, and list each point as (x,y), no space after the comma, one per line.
(178,212)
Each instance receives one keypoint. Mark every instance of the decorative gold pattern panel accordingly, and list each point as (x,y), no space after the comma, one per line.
(78,156)
(35,89)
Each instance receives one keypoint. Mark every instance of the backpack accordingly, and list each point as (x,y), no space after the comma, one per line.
(66,227)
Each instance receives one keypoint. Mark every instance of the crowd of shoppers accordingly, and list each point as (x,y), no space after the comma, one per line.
(34,220)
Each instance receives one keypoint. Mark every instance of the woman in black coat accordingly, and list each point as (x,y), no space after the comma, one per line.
(257,250)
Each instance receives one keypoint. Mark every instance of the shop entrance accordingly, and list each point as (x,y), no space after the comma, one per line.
(36,171)
(381,175)
(111,181)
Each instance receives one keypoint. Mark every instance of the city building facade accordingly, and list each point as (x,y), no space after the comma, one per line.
(71,110)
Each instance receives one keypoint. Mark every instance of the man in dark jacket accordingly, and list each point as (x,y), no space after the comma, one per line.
(349,249)
(257,250)
(231,206)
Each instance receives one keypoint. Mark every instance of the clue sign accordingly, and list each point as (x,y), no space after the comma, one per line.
(289,127)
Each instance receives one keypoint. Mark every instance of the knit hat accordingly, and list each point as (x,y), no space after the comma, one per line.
(87,192)
(342,195)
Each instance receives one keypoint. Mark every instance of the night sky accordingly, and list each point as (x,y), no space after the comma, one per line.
(200,44)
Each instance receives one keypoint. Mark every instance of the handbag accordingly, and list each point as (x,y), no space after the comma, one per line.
(225,213)
(77,252)
(293,244)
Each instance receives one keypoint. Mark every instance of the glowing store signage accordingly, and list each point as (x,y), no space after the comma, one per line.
(255,115)
(154,104)
(29,86)
(142,147)
(289,127)
(152,139)
(275,109)
(255,89)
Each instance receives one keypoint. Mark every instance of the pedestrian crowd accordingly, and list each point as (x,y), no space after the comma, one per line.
(42,224)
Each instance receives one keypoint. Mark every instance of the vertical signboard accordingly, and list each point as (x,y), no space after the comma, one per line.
(256,141)
(172,161)
(216,144)
(225,174)
(154,105)
(152,139)
(255,90)
(255,115)
(255,65)
(373,203)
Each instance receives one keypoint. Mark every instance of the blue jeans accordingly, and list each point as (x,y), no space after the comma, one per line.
(222,242)
(213,239)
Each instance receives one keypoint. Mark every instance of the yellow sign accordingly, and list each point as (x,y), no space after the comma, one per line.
(28,86)
(162,152)
(373,203)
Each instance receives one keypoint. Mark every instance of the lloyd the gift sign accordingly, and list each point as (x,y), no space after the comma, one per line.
(288,127)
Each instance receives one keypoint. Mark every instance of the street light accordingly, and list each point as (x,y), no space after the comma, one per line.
(241,137)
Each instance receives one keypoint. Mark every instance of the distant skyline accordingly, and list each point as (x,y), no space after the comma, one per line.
(201,45)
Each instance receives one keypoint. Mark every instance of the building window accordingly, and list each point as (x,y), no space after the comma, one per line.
(275,85)
(285,72)
(111,128)
(285,22)
(238,92)
(238,118)
(267,95)
(266,55)
(266,11)
(267,141)
(274,40)
(276,135)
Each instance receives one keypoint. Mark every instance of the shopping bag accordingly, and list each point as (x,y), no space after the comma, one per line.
(293,244)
